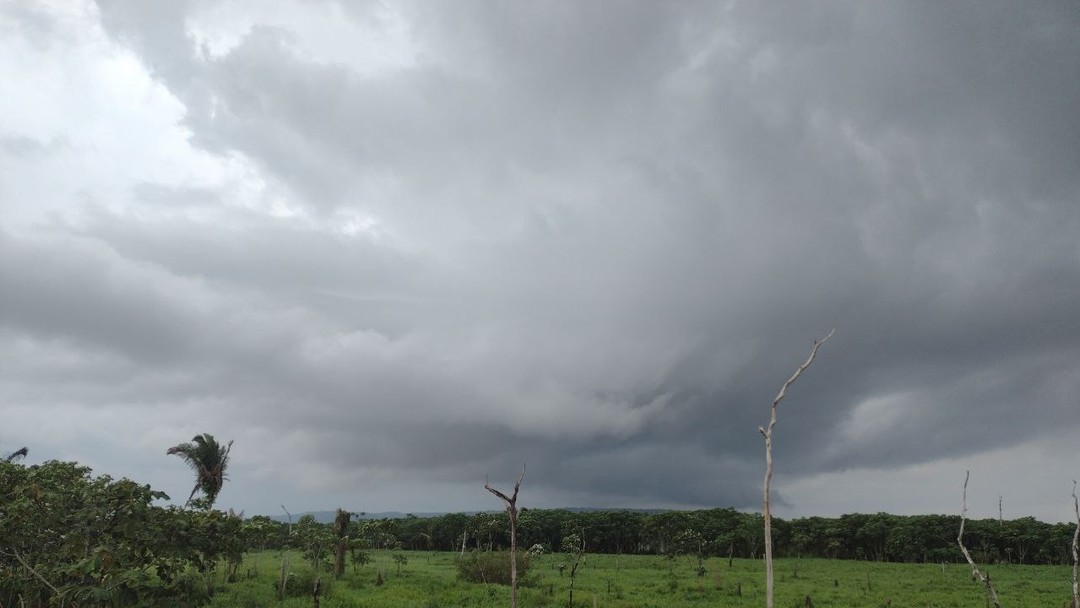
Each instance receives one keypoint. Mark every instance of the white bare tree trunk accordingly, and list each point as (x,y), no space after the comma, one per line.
(767,433)
(985,578)
(1075,551)
(512,510)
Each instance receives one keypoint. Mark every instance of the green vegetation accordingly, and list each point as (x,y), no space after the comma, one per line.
(431,579)
(70,539)
(209,460)
(723,532)
(489,567)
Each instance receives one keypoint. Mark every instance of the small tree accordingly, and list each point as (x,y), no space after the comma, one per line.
(574,547)
(358,556)
(536,551)
(693,545)
(316,540)
(400,559)
(513,511)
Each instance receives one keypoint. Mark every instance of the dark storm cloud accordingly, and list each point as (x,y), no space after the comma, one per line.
(597,238)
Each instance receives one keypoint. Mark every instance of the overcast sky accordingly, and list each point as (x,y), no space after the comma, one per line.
(393,248)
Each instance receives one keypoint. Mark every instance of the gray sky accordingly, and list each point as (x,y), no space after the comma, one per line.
(393,248)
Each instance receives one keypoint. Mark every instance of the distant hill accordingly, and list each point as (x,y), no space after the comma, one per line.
(326,517)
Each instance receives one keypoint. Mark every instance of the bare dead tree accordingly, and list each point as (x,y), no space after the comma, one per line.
(285,557)
(767,433)
(341,531)
(1076,554)
(513,511)
(985,578)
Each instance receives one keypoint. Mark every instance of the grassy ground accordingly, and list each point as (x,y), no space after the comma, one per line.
(429,580)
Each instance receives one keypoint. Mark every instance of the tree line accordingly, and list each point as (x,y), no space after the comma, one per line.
(712,532)
(70,538)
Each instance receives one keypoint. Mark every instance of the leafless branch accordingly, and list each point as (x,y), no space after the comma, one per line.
(767,433)
(509,500)
(285,557)
(512,510)
(985,578)
(1076,555)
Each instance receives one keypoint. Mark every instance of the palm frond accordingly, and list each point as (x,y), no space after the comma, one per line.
(17,455)
(209,460)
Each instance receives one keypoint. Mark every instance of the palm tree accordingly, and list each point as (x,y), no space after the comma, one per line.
(16,455)
(208,459)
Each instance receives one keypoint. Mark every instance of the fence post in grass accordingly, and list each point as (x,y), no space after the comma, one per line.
(985,578)
(512,510)
(767,433)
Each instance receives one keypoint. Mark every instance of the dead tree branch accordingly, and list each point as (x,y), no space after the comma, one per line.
(14,553)
(513,511)
(1076,554)
(768,434)
(285,557)
(985,578)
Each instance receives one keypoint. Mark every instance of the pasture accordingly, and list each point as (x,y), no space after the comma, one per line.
(429,580)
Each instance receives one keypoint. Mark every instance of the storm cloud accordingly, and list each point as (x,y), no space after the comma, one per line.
(393,248)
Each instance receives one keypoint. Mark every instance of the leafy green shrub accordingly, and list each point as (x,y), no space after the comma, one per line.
(298,584)
(358,558)
(99,541)
(491,567)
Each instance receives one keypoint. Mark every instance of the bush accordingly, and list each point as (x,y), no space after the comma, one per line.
(491,567)
(298,584)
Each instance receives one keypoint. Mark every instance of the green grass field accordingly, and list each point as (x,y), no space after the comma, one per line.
(429,580)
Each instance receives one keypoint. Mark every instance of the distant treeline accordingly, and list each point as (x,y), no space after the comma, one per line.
(722,532)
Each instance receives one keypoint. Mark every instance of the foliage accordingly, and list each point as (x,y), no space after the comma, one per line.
(67,537)
(536,551)
(317,541)
(379,533)
(644,581)
(209,460)
(490,566)
(574,548)
(358,557)
(298,584)
(17,455)
(261,532)
(875,537)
